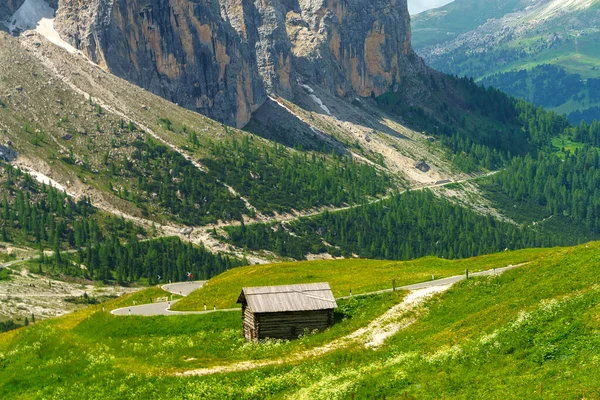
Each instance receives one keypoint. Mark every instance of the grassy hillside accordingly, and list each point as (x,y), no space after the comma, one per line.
(446,23)
(92,340)
(362,276)
(532,332)
(135,153)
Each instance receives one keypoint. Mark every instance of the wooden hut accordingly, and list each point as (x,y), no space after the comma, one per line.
(284,312)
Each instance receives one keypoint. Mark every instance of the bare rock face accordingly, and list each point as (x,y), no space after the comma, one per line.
(353,46)
(8,8)
(223,58)
(181,50)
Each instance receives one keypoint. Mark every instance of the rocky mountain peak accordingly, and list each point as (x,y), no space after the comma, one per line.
(223,58)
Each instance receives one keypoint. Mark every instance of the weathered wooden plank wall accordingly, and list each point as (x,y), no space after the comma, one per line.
(290,325)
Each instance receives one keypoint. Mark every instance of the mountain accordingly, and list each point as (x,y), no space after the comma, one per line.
(319,174)
(339,141)
(74,125)
(224,61)
(542,51)
(67,114)
(418,6)
(144,142)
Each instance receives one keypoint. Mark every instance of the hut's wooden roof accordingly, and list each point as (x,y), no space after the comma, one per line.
(303,297)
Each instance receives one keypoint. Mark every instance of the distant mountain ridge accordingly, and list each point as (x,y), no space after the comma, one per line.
(510,44)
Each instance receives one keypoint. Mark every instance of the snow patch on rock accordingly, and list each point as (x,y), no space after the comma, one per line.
(316,99)
(39,16)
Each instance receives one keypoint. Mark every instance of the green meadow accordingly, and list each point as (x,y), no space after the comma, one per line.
(532,333)
(358,275)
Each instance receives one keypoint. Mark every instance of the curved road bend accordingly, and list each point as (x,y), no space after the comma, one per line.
(183,289)
(186,288)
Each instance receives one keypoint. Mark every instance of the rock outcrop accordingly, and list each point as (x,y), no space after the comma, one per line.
(352,46)
(182,50)
(223,58)
(8,8)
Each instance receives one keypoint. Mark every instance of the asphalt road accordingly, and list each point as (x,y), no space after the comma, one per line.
(163,308)
(454,279)
(153,309)
(186,288)
(183,288)
(443,282)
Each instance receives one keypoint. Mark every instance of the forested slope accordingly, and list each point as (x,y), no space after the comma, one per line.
(406,226)
(165,171)
(526,49)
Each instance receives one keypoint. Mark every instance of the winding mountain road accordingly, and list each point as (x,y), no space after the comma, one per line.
(186,288)
(164,308)
(161,308)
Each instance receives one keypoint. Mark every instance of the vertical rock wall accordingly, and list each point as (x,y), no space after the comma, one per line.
(179,49)
(221,58)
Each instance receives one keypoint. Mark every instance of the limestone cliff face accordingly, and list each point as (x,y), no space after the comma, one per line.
(353,46)
(179,49)
(222,58)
